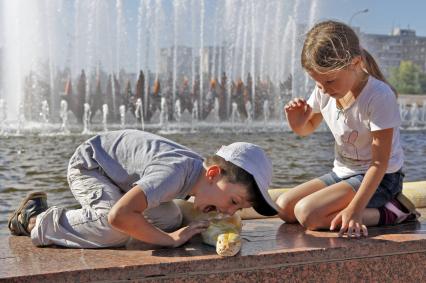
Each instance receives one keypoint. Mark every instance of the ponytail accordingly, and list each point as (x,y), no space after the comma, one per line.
(372,68)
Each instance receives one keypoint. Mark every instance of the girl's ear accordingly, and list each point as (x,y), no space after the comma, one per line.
(212,171)
(357,61)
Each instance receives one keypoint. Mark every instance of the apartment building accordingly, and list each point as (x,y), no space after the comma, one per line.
(390,50)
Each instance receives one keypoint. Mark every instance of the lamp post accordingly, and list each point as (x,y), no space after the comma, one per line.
(356,13)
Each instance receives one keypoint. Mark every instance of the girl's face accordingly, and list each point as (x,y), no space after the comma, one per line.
(337,83)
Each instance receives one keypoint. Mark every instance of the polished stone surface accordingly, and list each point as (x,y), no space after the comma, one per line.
(271,252)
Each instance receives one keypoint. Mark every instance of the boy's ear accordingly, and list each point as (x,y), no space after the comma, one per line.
(212,171)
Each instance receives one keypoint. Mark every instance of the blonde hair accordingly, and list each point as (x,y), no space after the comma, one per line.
(331,46)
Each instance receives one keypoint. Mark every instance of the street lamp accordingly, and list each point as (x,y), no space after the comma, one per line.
(356,13)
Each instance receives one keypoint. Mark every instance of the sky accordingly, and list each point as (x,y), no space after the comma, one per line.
(382,15)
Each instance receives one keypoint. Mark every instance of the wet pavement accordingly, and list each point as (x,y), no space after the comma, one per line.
(271,252)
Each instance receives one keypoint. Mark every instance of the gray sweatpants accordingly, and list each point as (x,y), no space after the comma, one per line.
(88,226)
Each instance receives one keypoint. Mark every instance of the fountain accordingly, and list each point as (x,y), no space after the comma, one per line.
(235,115)
(87,113)
(414,115)
(3,115)
(266,111)
(86,43)
(207,55)
(194,116)
(178,111)
(105,117)
(64,117)
(44,114)
(249,112)
(21,119)
(139,112)
(122,110)
(164,113)
(216,110)
(403,110)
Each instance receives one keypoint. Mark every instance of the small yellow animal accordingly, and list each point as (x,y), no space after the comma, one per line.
(224,231)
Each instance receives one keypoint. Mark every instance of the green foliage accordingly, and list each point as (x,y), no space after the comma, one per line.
(408,78)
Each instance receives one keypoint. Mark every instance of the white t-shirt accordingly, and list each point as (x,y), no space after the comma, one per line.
(374,109)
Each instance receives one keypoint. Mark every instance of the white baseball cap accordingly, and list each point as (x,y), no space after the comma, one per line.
(253,159)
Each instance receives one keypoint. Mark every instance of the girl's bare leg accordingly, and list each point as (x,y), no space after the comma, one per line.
(287,201)
(317,210)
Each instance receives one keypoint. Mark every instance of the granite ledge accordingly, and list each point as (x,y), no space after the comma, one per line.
(272,251)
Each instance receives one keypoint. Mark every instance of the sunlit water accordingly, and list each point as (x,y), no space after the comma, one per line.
(29,163)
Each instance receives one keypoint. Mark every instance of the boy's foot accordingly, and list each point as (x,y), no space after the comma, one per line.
(403,208)
(34,204)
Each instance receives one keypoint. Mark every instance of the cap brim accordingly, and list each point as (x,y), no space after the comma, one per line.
(266,206)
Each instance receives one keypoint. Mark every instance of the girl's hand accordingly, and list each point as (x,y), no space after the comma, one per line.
(298,112)
(182,235)
(350,223)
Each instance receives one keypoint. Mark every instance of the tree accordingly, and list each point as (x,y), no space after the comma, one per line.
(408,78)
(422,81)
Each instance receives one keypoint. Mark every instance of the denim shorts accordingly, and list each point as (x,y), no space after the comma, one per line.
(389,187)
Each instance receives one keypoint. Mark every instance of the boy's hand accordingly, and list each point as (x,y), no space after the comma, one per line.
(350,223)
(182,235)
(298,112)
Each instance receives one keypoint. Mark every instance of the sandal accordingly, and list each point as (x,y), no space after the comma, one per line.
(408,211)
(34,204)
